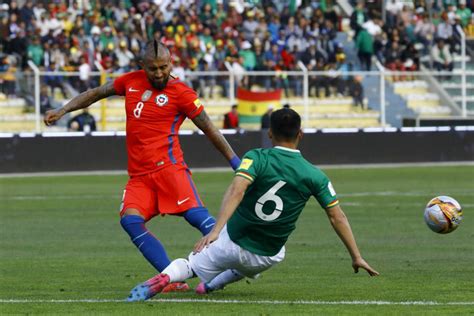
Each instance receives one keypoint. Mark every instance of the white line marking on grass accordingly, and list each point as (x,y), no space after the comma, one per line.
(256,302)
(60,197)
(464,205)
(118,196)
(397,193)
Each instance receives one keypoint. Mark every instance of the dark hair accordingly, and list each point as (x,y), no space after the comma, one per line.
(155,49)
(285,124)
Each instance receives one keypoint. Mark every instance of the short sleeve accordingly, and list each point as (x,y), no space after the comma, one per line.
(119,83)
(248,168)
(324,192)
(189,103)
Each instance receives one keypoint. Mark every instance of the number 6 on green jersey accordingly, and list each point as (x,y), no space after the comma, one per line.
(270,195)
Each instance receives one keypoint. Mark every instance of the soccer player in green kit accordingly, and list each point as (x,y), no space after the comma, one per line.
(258,213)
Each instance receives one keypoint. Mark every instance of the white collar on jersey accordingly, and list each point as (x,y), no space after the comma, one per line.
(288,149)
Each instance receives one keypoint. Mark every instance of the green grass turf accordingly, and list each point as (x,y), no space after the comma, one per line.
(60,239)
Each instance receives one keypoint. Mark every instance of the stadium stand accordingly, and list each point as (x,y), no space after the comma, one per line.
(205,36)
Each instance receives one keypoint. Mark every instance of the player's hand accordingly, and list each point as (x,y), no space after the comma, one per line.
(51,116)
(206,241)
(360,263)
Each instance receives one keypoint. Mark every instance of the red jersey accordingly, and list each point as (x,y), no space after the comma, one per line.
(153,120)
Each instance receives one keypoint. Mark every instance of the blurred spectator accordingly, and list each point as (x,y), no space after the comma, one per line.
(425,31)
(365,49)
(84,75)
(393,7)
(206,63)
(53,80)
(250,26)
(27,13)
(248,55)
(411,58)
(124,57)
(239,72)
(46,102)
(406,16)
(35,52)
(442,58)
(231,119)
(107,39)
(358,17)
(7,75)
(321,81)
(444,29)
(260,65)
(393,59)
(357,92)
(464,13)
(341,81)
(83,122)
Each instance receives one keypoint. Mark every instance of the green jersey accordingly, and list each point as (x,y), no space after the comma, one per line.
(282,183)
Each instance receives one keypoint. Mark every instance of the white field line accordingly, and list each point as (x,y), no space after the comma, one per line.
(256,302)
(119,196)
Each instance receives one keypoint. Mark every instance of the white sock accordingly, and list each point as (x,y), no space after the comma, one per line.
(179,270)
(221,280)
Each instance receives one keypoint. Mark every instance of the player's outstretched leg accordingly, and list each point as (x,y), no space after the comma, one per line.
(149,245)
(178,271)
(201,219)
(219,282)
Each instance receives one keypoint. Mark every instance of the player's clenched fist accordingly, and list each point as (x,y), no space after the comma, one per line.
(52,116)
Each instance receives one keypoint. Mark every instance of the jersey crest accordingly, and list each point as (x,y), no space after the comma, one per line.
(161,99)
(146,95)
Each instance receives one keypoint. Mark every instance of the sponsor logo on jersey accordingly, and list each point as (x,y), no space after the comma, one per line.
(246,163)
(197,103)
(146,95)
(161,99)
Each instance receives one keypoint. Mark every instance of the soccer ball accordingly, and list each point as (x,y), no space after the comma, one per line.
(443,214)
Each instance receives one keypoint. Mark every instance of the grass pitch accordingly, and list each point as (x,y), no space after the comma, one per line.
(62,249)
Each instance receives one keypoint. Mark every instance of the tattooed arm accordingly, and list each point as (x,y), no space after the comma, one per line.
(81,101)
(204,123)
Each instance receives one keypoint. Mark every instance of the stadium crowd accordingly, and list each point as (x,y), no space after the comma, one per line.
(250,35)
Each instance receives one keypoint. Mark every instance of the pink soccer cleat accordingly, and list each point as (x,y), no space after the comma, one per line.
(149,288)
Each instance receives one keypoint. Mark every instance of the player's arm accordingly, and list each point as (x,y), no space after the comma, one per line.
(81,101)
(203,122)
(232,198)
(341,225)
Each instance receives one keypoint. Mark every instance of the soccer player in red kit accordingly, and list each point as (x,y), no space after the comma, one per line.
(156,104)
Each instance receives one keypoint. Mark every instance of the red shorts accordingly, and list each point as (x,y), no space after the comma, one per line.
(168,191)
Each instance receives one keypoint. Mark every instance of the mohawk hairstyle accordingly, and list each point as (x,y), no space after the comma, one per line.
(154,49)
